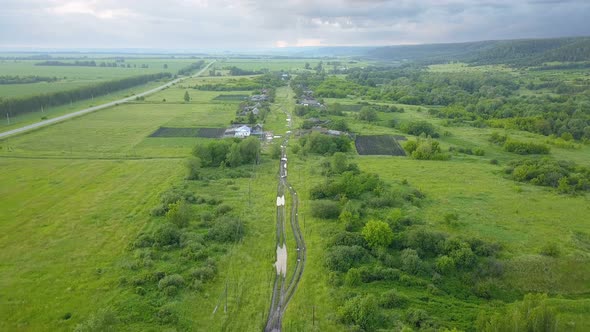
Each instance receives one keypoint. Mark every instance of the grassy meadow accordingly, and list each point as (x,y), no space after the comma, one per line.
(70,77)
(468,197)
(75,195)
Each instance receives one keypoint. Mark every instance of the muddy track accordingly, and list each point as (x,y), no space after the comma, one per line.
(284,290)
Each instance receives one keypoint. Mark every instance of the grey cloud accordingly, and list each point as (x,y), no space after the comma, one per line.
(198,24)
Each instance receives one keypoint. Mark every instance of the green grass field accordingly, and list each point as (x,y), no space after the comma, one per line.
(76,194)
(74,77)
(523,218)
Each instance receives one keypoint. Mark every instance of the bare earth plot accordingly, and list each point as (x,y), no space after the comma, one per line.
(379,145)
(188,132)
(231,98)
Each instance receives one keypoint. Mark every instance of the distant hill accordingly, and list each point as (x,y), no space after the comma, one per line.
(523,52)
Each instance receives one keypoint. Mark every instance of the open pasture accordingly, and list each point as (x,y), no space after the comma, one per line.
(70,77)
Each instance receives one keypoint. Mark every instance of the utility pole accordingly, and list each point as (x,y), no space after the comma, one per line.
(8,118)
(225,308)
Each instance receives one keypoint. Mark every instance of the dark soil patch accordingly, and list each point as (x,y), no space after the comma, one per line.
(231,98)
(188,132)
(378,145)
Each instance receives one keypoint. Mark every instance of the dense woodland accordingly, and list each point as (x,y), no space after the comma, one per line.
(475,98)
(525,52)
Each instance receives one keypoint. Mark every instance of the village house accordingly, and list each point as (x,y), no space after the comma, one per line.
(242,132)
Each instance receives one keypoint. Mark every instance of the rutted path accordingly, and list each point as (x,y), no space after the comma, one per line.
(99,107)
(284,289)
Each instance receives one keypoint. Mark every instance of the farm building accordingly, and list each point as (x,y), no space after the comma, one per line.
(310,102)
(257,130)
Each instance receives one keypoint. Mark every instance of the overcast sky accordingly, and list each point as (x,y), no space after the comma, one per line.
(226,24)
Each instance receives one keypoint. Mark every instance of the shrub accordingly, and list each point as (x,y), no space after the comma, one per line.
(393,299)
(226,229)
(193,166)
(167,314)
(361,311)
(342,258)
(376,273)
(175,280)
(525,147)
(143,241)
(275,151)
(166,235)
(223,209)
(325,209)
(348,239)
(353,277)
(532,314)
(377,234)
(159,210)
(411,262)
(179,214)
(103,320)
(418,318)
(546,172)
(324,144)
(418,128)
(425,242)
(463,257)
(425,149)
(550,249)
(498,138)
(174,195)
(204,273)
(368,114)
(445,264)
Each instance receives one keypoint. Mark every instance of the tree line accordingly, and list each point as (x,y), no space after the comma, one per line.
(22,105)
(191,68)
(77,63)
(8,79)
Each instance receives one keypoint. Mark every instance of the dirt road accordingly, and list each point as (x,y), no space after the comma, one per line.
(285,287)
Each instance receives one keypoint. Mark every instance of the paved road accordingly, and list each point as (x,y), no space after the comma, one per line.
(96,108)
(284,289)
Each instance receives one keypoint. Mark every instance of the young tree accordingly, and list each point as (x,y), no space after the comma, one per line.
(368,114)
(339,162)
(187,98)
(193,166)
(179,214)
(377,234)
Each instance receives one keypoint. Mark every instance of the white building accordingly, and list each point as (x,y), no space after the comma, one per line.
(242,132)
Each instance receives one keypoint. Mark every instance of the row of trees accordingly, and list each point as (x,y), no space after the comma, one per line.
(7,79)
(518,147)
(22,105)
(191,68)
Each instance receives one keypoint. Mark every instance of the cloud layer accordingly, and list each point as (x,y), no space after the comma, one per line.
(207,24)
